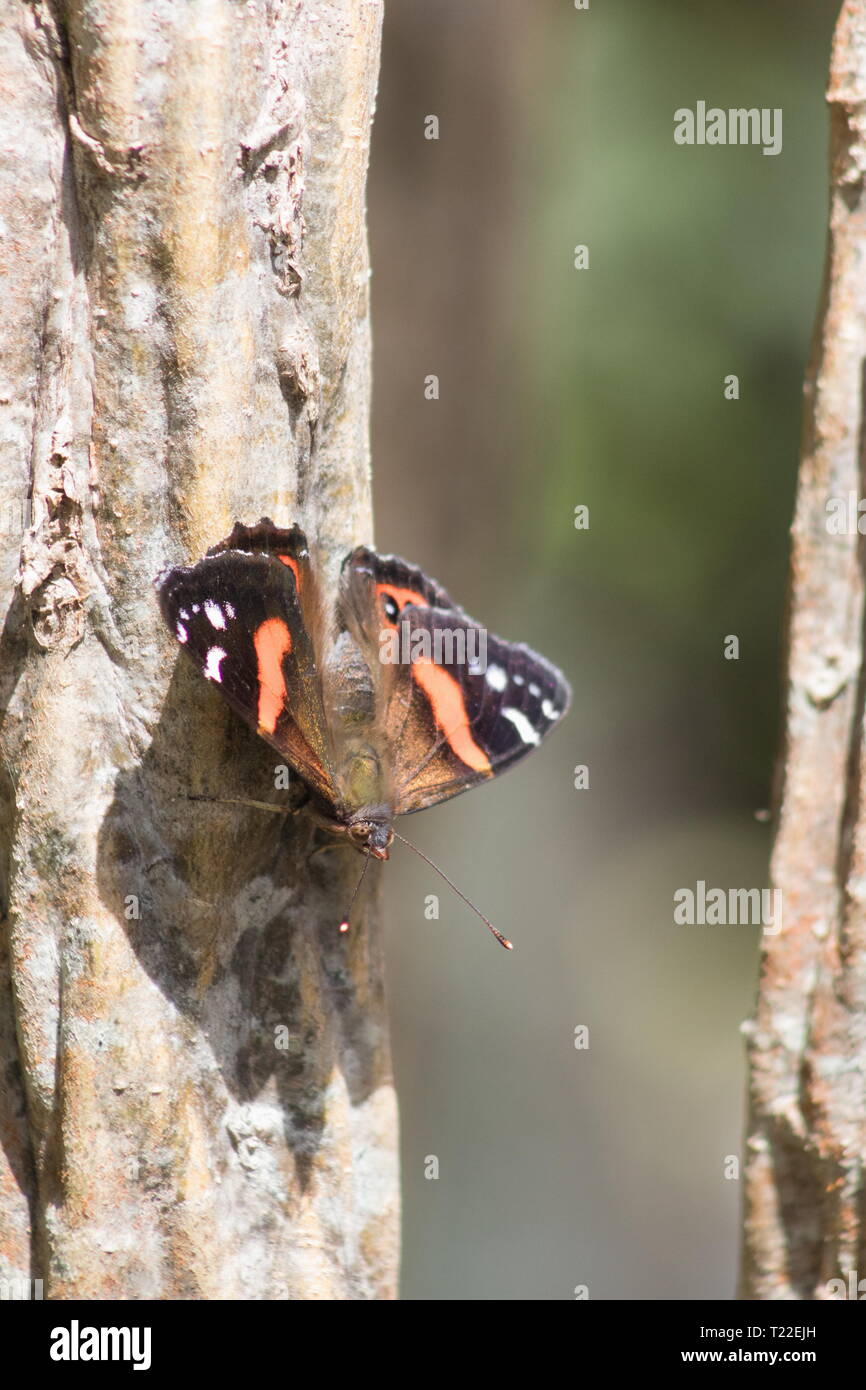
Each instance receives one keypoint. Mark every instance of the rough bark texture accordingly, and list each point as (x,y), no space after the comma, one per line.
(805,1181)
(196,1098)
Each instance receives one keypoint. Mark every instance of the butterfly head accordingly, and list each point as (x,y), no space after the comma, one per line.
(371,835)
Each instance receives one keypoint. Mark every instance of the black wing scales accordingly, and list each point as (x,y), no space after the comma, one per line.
(468,706)
(238,616)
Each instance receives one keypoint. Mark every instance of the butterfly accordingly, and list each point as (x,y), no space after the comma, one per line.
(387,702)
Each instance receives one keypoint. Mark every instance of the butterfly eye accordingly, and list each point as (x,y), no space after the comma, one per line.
(391,607)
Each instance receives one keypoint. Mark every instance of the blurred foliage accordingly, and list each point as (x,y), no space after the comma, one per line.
(602,387)
(705,261)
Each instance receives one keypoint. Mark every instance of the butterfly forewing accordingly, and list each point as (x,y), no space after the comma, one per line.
(238,616)
(458,705)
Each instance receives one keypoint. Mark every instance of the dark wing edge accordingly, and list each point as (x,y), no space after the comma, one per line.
(512,705)
(265,536)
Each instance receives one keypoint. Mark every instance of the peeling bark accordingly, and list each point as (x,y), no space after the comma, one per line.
(197,1098)
(805,1196)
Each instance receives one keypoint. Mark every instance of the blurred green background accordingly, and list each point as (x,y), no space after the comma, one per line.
(602,1167)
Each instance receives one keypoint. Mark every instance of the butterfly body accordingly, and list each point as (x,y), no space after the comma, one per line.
(390,701)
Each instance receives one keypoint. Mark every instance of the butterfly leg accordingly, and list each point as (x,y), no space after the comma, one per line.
(245,801)
(299,796)
(335,844)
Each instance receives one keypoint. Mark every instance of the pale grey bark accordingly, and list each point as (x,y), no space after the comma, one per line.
(186,342)
(805,1207)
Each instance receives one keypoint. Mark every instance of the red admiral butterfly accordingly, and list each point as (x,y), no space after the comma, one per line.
(392,703)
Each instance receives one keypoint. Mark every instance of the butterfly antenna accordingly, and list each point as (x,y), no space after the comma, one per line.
(344,925)
(503,940)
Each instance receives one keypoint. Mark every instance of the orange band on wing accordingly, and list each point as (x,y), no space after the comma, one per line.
(291,564)
(402,596)
(449,708)
(273,641)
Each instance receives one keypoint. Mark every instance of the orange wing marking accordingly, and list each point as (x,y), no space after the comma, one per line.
(401,597)
(291,564)
(449,708)
(273,642)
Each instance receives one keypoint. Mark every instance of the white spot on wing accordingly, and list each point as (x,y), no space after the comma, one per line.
(534,689)
(212,665)
(518,679)
(230,610)
(180,632)
(496,677)
(527,733)
(549,710)
(214,614)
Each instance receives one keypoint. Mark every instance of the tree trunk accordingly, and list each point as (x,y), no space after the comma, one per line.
(805,1194)
(197,1097)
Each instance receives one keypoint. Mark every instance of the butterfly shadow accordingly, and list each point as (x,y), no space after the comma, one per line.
(15,1134)
(234,914)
